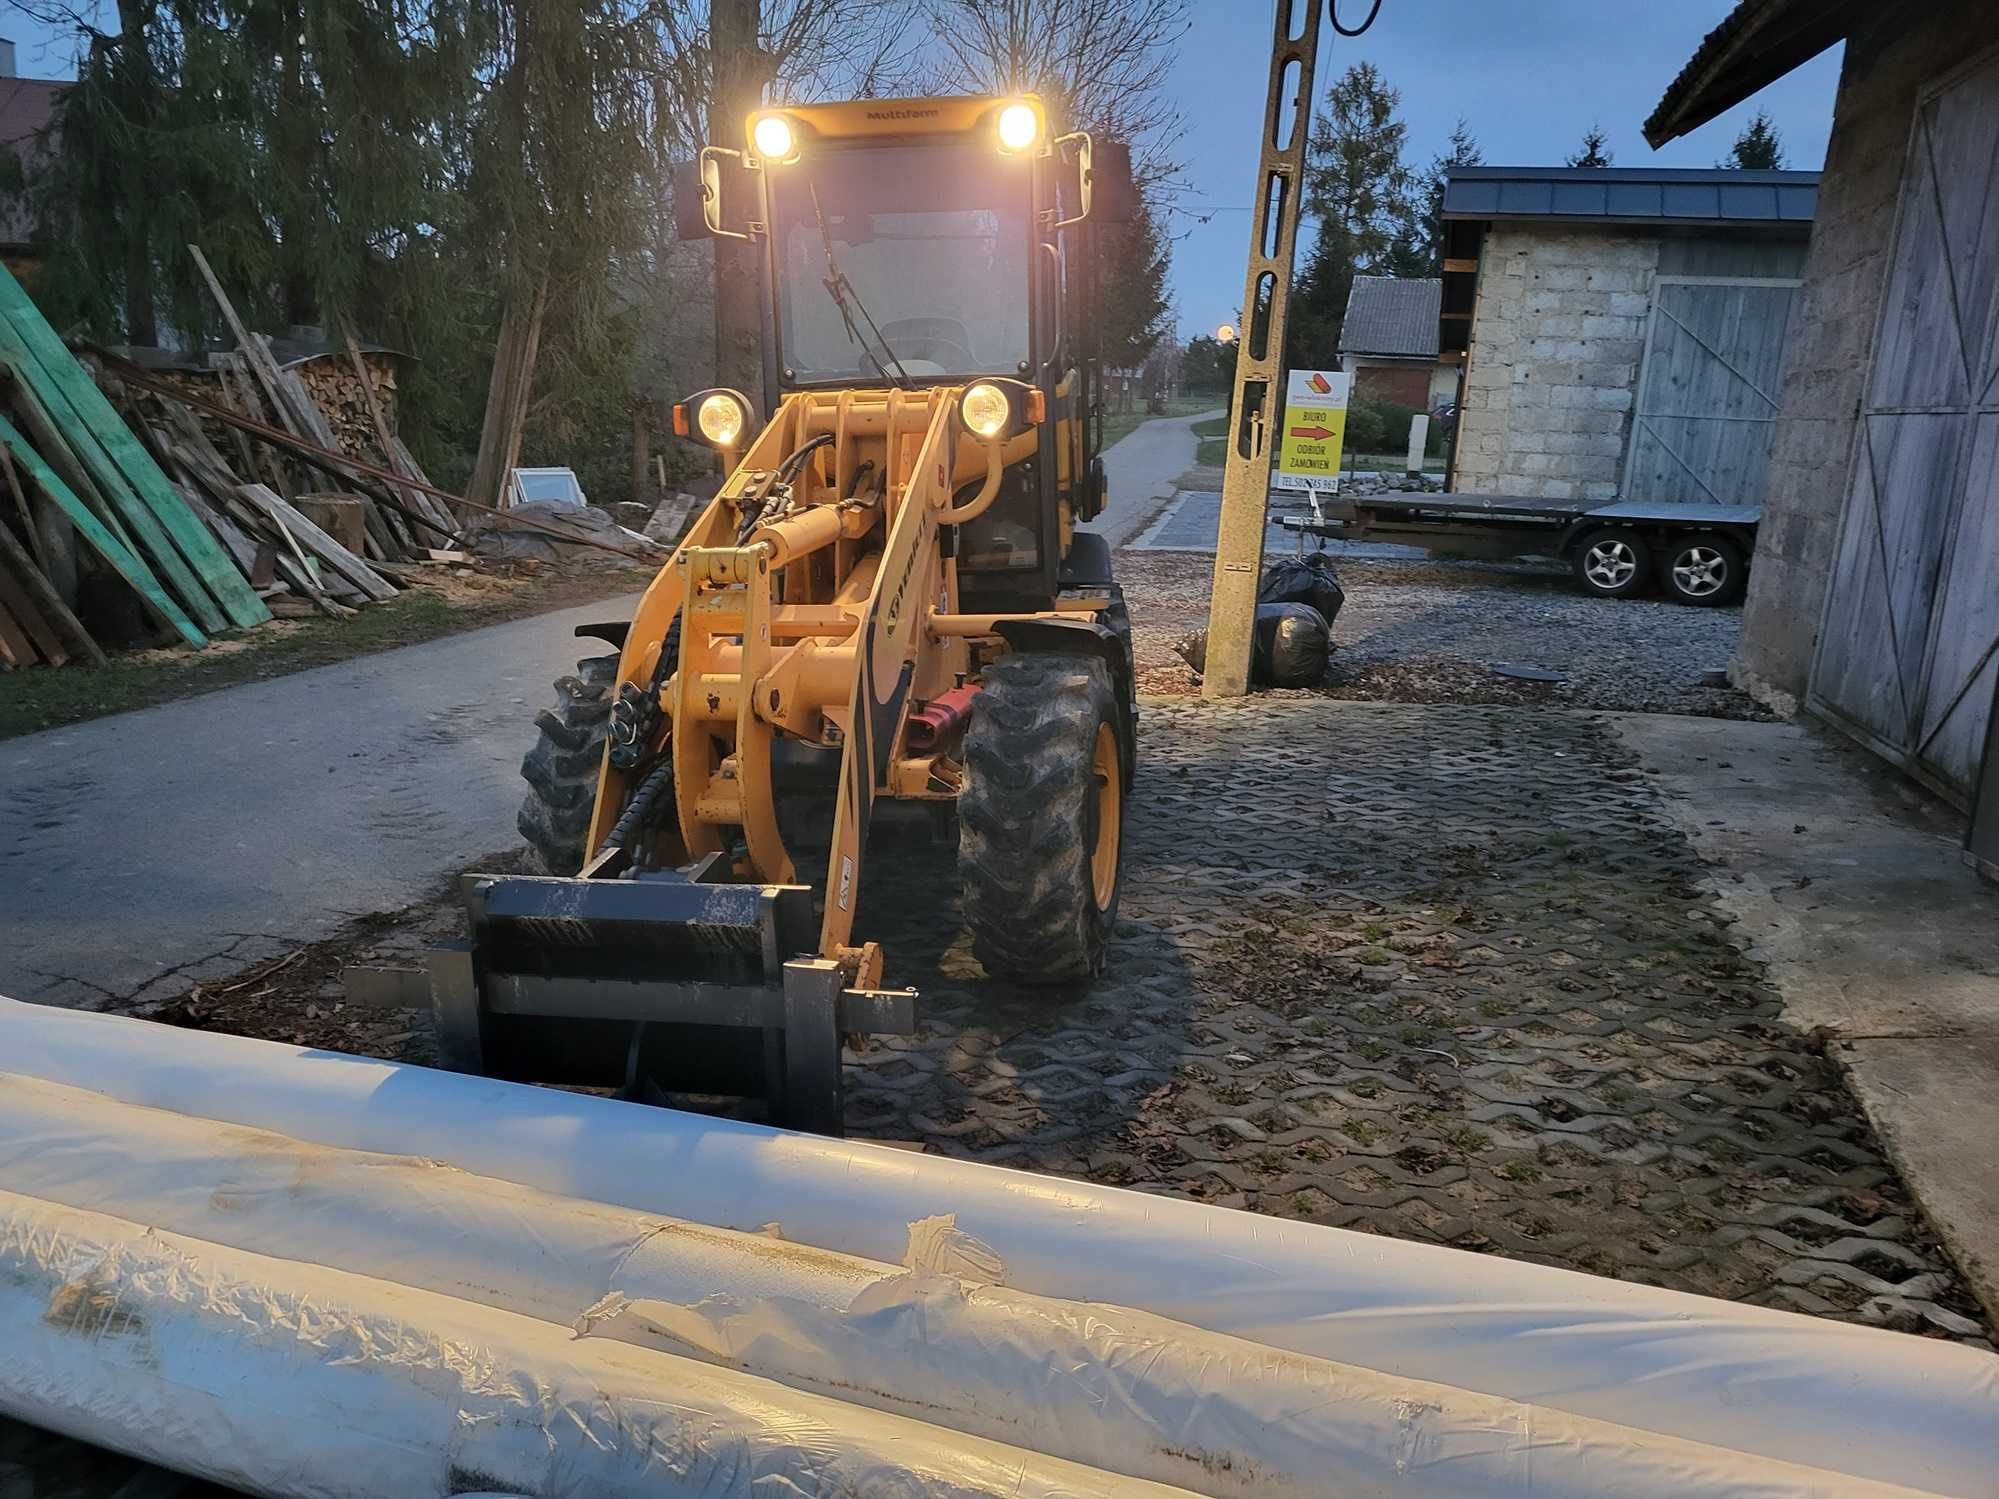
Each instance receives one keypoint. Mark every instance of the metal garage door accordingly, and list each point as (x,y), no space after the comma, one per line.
(1707,392)
(1907,645)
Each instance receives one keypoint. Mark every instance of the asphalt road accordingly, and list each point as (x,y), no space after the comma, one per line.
(1140,472)
(146,850)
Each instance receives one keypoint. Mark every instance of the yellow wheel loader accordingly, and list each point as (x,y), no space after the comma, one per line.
(886,612)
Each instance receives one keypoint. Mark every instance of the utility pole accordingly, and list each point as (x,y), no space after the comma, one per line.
(740,72)
(1259,390)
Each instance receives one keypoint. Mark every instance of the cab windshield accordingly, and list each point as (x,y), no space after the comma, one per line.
(930,252)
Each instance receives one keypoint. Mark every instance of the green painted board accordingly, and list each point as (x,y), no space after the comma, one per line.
(128,566)
(41,430)
(203,552)
(149,536)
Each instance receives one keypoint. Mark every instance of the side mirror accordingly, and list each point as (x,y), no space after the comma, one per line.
(709,195)
(1113,194)
(690,220)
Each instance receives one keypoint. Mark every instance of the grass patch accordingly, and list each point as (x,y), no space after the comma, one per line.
(1361,1132)
(46,697)
(1213,450)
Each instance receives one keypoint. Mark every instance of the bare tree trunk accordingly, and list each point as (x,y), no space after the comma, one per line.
(135,64)
(507,396)
(642,451)
(741,71)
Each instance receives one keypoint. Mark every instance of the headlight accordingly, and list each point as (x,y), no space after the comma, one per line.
(774,138)
(986,410)
(719,417)
(1019,126)
(720,420)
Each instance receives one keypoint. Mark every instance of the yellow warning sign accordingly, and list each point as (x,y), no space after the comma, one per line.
(1315,424)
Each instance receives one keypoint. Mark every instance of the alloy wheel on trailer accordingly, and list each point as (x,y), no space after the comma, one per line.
(1705,570)
(1612,563)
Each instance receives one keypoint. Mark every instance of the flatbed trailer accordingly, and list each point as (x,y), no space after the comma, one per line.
(1697,554)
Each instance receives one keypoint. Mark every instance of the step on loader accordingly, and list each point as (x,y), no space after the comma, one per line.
(885,613)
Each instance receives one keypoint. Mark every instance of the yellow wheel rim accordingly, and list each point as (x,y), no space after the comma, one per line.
(1108,770)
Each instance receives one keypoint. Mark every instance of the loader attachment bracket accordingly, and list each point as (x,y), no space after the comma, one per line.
(658,983)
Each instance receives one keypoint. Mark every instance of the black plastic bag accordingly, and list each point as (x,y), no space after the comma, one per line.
(1292,646)
(1293,642)
(1304,580)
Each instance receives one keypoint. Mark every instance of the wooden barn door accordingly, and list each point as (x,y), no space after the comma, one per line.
(1909,644)
(1707,392)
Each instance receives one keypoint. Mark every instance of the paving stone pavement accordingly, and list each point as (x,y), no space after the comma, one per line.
(1440,972)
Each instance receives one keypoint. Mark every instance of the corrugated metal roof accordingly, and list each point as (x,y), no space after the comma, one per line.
(1392,315)
(1633,195)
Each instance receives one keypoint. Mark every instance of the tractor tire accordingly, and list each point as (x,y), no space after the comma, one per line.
(1041,818)
(1117,619)
(562,768)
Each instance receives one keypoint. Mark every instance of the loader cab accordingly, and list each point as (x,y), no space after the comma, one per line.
(923,242)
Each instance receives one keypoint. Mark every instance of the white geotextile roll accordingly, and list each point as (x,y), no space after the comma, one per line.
(1108,1387)
(1806,1390)
(302,1382)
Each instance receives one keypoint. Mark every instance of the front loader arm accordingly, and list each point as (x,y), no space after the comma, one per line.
(906,592)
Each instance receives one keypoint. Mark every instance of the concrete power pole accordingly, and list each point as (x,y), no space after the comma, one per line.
(740,71)
(1259,391)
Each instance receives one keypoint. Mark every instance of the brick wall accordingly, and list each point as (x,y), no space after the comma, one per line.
(1890,60)
(1556,342)
(1404,384)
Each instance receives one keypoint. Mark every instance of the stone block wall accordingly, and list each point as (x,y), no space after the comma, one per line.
(1891,59)
(1556,342)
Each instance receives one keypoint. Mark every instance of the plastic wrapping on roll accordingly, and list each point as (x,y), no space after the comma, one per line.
(1851,1400)
(289,1379)
(1129,1392)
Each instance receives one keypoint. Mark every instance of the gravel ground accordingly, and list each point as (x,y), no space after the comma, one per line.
(1431,632)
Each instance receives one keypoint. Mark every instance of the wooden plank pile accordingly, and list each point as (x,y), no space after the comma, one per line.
(115,491)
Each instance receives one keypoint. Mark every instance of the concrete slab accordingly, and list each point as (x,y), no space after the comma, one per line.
(1849,882)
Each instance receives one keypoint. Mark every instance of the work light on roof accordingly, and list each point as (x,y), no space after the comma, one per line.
(775,139)
(1019,126)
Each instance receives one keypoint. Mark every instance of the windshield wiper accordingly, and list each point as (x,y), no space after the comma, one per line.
(841,290)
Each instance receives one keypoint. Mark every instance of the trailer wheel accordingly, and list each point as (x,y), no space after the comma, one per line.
(1041,818)
(1613,563)
(562,768)
(1705,569)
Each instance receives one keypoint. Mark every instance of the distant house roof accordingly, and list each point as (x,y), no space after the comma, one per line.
(1756,44)
(1633,195)
(1392,316)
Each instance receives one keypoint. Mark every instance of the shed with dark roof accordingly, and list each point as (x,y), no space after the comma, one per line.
(1388,341)
(1619,331)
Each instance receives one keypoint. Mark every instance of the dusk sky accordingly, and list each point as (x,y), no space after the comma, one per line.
(1528,76)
